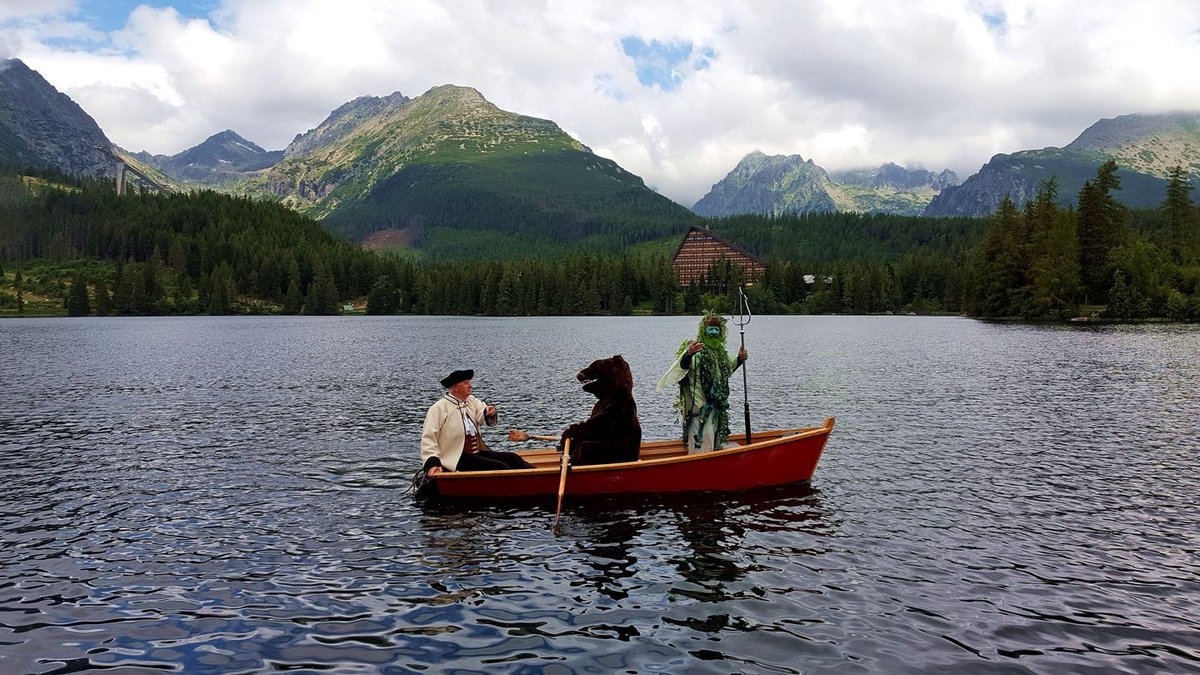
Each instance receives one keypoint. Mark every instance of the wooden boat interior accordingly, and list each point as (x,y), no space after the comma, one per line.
(550,457)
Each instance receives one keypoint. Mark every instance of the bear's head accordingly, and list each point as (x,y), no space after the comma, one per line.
(605,376)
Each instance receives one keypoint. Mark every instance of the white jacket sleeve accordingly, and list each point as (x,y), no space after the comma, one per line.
(434,419)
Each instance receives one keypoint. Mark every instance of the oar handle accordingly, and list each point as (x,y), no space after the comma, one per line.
(517,435)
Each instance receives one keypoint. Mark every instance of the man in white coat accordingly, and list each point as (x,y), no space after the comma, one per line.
(450,439)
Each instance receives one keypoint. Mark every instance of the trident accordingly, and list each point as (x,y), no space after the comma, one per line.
(741,319)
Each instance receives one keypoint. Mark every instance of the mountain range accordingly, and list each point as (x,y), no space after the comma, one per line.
(1145,147)
(449,172)
(387,169)
(222,159)
(778,184)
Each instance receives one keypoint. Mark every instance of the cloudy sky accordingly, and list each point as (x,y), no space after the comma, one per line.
(676,92)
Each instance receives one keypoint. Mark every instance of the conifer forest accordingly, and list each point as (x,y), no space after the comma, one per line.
(73,246)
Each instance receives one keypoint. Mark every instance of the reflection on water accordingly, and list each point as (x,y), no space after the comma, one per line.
(228,494)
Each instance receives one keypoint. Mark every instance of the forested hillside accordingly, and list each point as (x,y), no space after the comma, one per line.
(1100,260)
(210,253)
(73,246)
(497,208)
(153,253)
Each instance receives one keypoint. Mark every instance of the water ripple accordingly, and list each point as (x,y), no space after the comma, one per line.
(228,495)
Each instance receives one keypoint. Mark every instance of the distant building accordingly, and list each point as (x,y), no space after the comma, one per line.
(701,248)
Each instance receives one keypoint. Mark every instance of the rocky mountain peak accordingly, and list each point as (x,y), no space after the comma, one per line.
(771,184)
(1145,146)
(223,154)
(41,125)
(366,142)
(893,176)
(1114,134)
(1147,143)
(775,184)
(344,120)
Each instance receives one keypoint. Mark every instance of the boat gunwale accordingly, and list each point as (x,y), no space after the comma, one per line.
(786,436)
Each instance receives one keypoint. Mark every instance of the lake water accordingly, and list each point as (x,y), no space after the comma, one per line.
(228,495)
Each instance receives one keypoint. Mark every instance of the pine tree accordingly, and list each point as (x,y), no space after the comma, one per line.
(691,298)
(177,255)
(1140,265)
(1101,228)
(1054,258)
(1003,264)
(1056,288)
(183,294)
(104,303)
(1120,302)
(129,295)
(322,293)
(293,301)
(510,277)
(221,290)
(76,302)
(383,298)
(18,279)
(1183,222)
(154,291)
(488,292)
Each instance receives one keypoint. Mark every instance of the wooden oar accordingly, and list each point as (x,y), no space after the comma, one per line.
(562,481)
(518,435)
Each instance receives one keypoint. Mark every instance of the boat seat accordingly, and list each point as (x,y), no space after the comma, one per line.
(659,452)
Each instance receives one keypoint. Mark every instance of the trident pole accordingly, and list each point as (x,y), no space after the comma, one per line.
(743,317)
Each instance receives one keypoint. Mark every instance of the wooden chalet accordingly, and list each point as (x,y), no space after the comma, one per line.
(701,248)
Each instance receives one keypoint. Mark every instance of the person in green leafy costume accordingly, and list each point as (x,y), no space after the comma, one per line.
(702,369)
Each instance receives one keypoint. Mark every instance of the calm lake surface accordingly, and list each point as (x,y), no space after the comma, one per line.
(228,495)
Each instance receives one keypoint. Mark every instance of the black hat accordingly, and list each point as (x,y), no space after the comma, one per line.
(456,377)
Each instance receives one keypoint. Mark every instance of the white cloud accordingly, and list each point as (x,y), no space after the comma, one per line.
(28,9)
(847,83)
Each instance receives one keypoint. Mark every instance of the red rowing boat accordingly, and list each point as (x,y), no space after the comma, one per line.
(773,458)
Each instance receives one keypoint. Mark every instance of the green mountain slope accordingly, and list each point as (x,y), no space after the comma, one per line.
(450,160)
(1148,144)
(1145,148)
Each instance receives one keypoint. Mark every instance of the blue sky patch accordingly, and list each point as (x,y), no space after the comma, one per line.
(604,84)
(110,15)
(995,20)
(665,65)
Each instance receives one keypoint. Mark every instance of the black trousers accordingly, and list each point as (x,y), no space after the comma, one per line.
(492,460)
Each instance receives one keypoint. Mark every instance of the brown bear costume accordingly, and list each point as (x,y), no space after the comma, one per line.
(613,432)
